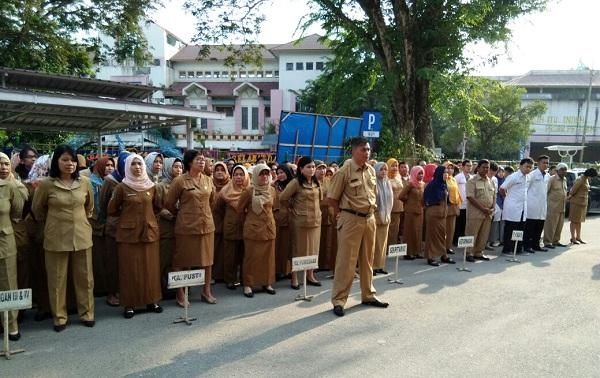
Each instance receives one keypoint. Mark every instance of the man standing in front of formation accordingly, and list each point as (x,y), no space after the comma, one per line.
(536,206)
(352,196)
(555,215)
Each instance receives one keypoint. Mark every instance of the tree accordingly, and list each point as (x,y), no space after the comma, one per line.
(490,114)
(60,36)
(413,41)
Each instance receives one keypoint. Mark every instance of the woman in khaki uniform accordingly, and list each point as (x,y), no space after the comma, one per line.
(435,199)
(283,239)
(412,196)
(11,207)
(172,168)
(194,225)
(256,206)
(398,206)
(65,202)
(220,177)
(111,256)
(385,201)
(137,238)
(454,201)
(578,203)
(233,237)
(303,196)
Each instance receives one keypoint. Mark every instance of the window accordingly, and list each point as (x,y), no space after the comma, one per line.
(216,74)
(182,75)
(190,74)
(225,74)
(255,118)
(268,73)
(203,121)
(251,74)
(243,74)
(248,122)
(171,40)
(309,66)
(156,62)
(228,110)
(207,74)
(276,73)
(267,111)
(289,66)
(259,74)
(244,118)
(199,74)
(319,66)
(299,66)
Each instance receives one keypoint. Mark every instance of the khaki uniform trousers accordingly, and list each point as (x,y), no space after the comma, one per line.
(356,242)
(8,281)
(480,229)
(57,264)
(553,227)
(381,245)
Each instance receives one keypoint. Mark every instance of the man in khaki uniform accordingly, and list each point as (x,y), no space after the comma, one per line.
(481,197)
(555,216)
(352,196)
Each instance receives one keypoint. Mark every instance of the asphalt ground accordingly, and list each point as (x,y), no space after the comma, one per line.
(537,318)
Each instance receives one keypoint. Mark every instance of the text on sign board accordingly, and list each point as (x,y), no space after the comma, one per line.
(466,241)
(517,235)
(186,278)
(15,299)
(305,263)
(397,250)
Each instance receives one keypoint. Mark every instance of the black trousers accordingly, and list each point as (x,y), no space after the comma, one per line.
(509,227)
(461,222)
(533,233)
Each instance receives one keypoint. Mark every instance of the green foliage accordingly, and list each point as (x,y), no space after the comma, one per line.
(42,142)
(55,35)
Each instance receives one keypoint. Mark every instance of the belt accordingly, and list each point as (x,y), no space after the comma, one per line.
(357,213)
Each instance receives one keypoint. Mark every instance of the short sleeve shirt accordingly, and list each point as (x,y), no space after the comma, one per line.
(354,187)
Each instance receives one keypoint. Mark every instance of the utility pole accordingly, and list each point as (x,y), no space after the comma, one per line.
(585,121)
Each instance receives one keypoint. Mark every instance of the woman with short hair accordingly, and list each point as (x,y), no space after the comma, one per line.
(578,203)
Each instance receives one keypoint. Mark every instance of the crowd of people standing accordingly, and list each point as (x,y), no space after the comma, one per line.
(118,228)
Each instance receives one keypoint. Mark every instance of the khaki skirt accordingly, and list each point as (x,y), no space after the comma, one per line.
(194,250)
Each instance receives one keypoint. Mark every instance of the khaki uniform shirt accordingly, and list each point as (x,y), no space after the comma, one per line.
(66,212)
(137,222)
(397,187)
(354,187)
(194,213)
(483,190)
(305,203)
(557,194)
(257,226)
(11,207)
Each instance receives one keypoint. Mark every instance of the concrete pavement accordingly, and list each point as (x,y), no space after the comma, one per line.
(539,318)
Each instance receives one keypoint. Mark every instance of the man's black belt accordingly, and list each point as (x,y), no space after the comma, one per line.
(357,213)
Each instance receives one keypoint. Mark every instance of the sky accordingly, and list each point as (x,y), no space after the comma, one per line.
(564,36)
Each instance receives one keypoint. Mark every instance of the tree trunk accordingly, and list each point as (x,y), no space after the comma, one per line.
(423,129)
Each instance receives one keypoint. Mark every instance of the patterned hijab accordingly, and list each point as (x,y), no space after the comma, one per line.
(230,193)
(220,183)
(149,161)
(140,183)
(39,170)
(260,193)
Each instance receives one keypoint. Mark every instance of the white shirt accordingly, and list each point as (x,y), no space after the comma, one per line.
(461,180)
(537,195)
(515,202)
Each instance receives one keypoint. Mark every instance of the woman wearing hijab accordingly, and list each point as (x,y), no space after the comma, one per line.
(111,256)
(397,205)
(256,206)
(190,199)
(303,197)
(435,199)
(137,238)
(233,236)
(154,164)
(103,167)
(454,201)
(65,202)
(220,177)
(412,196)
(11,207)
(429,170)
(172,168)
(385,201)
(283,237)
(578,203)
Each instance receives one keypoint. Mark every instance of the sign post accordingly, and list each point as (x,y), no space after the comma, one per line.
(396,250)
(304,263)
(12,300)
(185,279)
(465,242)
(517,236)
(371,124)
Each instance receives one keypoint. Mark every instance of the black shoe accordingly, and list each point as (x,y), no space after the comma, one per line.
(338,310)
(482,257)
(39,316)
(432,263)
(550,246)
(580,241)
(313,283)
(382,271)
(269,290)
(295,287)
(528,250)
(375,303)
(374,273)
(409,257)
(249,294)
(128,313)
(470,259)
(419,257)
(450,252)
(231,286)
(448,260)
(540,249)
(154,308)
(60,327)
(14,337)
(89,323)
(559,245)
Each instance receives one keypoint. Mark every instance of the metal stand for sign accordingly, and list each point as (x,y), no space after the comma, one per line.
(514,257)
(7,352)
(304,297)
(396,250)
(186,304)
(464,268)
(396,280)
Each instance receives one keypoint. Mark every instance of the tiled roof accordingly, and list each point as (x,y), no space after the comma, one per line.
(571,78)
(222,88)
(192,53)
(310,42)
